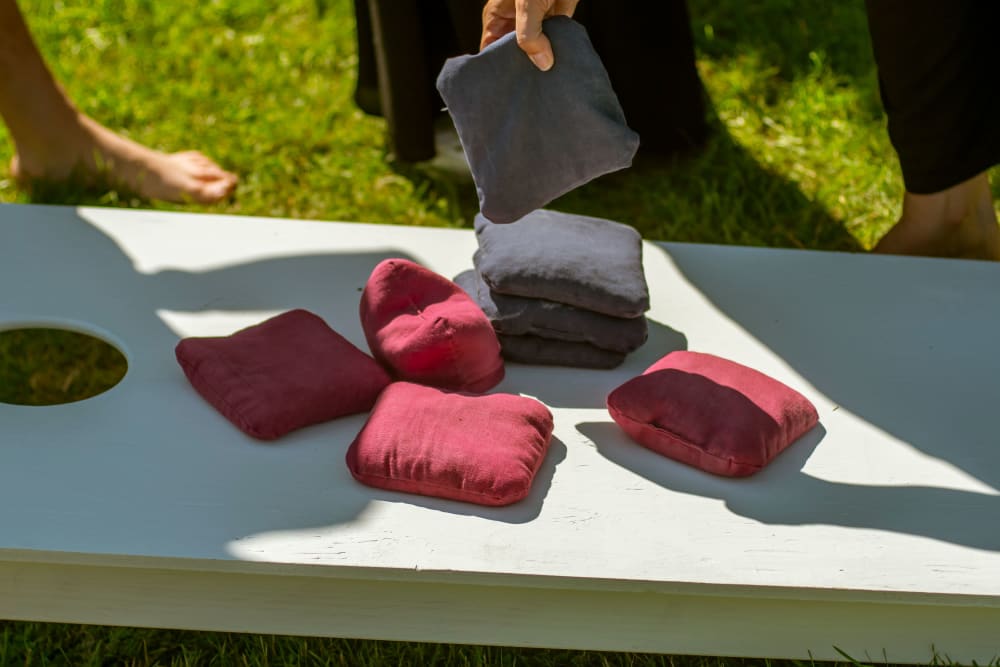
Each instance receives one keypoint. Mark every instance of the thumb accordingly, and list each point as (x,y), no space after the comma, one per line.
(539,50)
(528,25)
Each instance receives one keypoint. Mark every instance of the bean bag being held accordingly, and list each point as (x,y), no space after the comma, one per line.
(531,136)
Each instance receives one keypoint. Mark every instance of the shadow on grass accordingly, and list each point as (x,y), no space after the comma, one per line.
(719,194)
(790,38)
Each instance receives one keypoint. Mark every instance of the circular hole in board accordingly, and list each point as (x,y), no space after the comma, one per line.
(43,364)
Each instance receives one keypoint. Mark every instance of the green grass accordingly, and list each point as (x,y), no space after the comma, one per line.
(51,366)
(79,645)
(799,158)
(34,643)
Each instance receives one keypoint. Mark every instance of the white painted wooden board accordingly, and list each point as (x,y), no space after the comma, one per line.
(880,530)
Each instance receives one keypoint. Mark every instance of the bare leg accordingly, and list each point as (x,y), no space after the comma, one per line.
(957,222)
(53,139)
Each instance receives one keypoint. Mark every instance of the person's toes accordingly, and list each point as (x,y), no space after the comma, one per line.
(219,176)
(201,160)
(196,158)
(210,192)
(213,173)
(203,168)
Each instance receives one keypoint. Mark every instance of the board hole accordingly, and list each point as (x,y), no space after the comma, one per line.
(52,366)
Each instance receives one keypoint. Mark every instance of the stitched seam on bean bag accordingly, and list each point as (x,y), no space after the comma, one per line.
(431,484)
(684,442)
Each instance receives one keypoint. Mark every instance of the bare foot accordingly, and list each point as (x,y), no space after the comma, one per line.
(957,222)
(96,153)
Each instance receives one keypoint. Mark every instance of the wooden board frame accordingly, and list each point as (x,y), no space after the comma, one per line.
(878,534)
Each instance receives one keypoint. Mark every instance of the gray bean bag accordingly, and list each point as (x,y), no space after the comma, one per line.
(531,136)
(518,316)
(590,263)
(546,352)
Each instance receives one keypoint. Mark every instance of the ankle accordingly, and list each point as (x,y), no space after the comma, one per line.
(75,142)
(60,130)
(953,207)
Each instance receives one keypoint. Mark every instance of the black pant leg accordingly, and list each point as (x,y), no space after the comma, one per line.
(648,50)
(938,79)
(366,94)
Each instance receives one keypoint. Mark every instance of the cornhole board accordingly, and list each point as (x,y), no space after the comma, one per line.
(877,534)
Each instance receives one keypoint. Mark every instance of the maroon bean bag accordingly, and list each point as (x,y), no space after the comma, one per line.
(282,374)
(711,413)
(426,329)
(478,449)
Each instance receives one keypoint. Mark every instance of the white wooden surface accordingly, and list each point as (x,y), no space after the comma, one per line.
(878,533)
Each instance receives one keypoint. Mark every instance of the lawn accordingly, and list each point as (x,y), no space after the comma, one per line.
(799,158)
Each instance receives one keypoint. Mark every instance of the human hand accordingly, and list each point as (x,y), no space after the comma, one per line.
(525,17)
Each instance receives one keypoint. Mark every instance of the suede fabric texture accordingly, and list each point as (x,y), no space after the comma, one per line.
(546,352)
(426,329)
(285,373)
(711,413)
(519,316)
(589,263)
(531,136)
(476,449)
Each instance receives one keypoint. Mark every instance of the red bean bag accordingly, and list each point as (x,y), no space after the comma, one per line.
(711,413)
(426,329)
(285,373)
(478,449)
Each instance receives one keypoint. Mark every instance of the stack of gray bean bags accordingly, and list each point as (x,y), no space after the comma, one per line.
(561,289)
